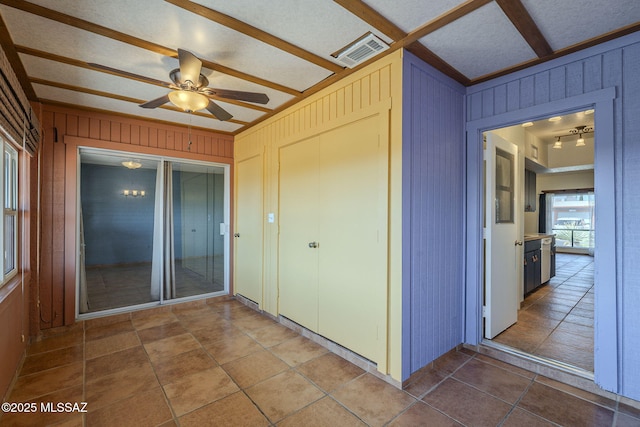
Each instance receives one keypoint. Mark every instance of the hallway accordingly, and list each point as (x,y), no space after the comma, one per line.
(556,320)
(222,363)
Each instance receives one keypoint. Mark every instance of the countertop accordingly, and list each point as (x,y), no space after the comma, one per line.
(536,236)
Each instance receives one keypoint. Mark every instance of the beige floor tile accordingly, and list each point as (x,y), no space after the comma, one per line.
(52,359)
(295,392)
(171,346)
(57,342)
(31,386)
(199,389)
(108,329)
(330,371)
(107,389)
(298,350)
(372,399)
(421,414)
(221,331)
(111,344)
(204,321)
(235,410)
(252,322)
(254,368)
(111,363)
(552,405)
(42,418)
(424,382)
(493,380)
(466,404)
(232,348)
(140,321)
(159,332)
(272,335)
(450,362)
(144,409)
(173,368)
(520,418)
(326,412)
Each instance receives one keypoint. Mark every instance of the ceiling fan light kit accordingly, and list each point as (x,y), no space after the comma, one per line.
(188,101)
(190,92)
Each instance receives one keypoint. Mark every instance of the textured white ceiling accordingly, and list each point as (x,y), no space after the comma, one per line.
(411,14)
(303,23)
(567,22)
(478,49)
(477,45)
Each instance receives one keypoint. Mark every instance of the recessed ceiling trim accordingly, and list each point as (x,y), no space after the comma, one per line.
(251,31)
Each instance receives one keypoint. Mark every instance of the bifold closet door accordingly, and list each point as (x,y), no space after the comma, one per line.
(298,228)
(353,205)
(248,229)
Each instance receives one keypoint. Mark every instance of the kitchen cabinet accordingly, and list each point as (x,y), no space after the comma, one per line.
(532,270)
(530,196)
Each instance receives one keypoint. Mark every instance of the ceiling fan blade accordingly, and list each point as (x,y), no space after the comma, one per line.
(156,102)
(129,75)
(259,98)
(220,113)
(190,67)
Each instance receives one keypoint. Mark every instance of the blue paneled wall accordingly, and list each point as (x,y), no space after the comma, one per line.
(433,216)
(610,70)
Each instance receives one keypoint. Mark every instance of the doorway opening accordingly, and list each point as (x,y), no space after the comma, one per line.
(151,230)
(552,247)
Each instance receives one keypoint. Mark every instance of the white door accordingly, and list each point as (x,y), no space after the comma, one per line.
(501,235)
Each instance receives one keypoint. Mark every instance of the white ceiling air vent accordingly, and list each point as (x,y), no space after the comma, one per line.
(362,49)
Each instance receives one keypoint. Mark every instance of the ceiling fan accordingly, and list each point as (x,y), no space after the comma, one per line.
(190,90)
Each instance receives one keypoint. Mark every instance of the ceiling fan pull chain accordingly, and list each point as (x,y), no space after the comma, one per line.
(189,147)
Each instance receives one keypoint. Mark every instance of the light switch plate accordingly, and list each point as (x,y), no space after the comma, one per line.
(271,217)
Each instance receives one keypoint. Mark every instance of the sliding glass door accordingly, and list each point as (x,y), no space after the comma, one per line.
(151,230)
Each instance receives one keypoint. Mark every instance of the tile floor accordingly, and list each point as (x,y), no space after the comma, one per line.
(556,320)
(115,286)
(224,364)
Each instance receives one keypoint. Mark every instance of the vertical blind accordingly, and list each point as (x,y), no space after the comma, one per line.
(17,118)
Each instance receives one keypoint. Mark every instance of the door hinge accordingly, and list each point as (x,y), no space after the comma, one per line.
(484,311)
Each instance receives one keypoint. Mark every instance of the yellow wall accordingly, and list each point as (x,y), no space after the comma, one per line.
(375,87)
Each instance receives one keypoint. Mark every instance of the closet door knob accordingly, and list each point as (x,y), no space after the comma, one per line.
(313,245)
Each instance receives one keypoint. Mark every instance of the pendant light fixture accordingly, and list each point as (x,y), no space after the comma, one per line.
(558,144)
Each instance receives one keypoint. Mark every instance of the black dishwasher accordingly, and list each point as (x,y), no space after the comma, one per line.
(532,270)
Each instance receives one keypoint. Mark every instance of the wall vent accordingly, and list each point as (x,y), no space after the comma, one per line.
(361,50)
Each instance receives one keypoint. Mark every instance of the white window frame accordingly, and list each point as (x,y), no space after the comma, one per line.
(9,186)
